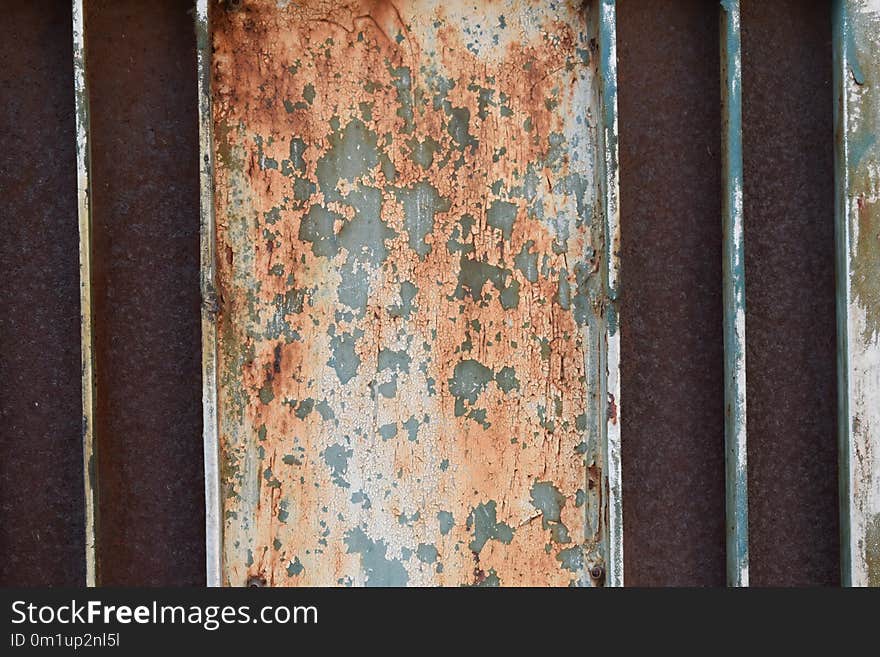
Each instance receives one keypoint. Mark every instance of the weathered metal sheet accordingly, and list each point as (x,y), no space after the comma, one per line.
(857,164)
(671,317)
(415,359)
(41,502)
(733,281)
(145,268)
(790,317)
(85,274)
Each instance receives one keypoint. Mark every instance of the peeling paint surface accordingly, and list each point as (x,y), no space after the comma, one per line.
(410,304)
(857,119)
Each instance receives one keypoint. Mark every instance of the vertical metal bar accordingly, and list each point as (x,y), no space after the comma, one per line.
(733,274)
(85,267)
(856,28)
(610,189)
(213,523)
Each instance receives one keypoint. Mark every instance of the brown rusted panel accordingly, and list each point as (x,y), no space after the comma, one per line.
(41,500)
(671,354)
(142,86)
(789,214)
(410,313)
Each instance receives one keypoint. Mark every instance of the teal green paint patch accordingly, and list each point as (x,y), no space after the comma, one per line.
(272,216)
(484,523)
(344,360)
(501,215)
(290,459)
(388,389)
(266,393)
(317,228)
(458,128)
(309,93)
(297,151)
(509,297)
(353,289)
(408,293)
(571,558)
(325,411)
(401,78)
(352,154)
(365,235)
(550,501)
(336,457)
(396,361)
(305,407)
(489,580)
(469,380)
(563,290)
(446,521)
(271,481)
(422,151)
(388,431)
(527,262)
(427,553)
(473,276)
(421,204)
(295,567)
(506,379)
(412,429)
(406,520)
(360,497)
(581,307)
(378,568)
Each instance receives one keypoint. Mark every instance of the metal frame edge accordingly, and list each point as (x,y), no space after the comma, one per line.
(213,511)
(734,300)
(83,172)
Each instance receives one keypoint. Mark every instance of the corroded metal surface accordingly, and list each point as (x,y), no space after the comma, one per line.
(734,295)
(671,316)
(857,124)
(789,209)
(41,501)
(410,305)
(145,296)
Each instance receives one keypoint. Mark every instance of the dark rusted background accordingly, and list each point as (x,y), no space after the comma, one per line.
(790,326)
(142,82)
(671,359)
(41,486)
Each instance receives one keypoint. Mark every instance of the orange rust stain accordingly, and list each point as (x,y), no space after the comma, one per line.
(363,439)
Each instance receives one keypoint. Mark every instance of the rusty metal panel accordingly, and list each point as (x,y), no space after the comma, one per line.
(411,209)
(143,246)
(790,325)
(857,165)
(671,318)
(41,536)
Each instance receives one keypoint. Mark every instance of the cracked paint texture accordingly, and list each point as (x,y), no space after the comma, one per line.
(410,315)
